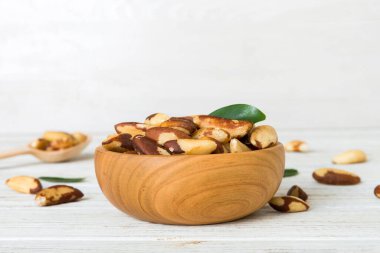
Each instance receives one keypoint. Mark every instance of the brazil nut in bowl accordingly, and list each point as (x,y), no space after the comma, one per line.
(190,170)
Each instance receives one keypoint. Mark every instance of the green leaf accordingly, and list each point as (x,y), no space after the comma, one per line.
(62,179)
(290,172)
(240,112)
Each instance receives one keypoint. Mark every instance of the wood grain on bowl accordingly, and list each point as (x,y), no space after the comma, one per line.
(190,189)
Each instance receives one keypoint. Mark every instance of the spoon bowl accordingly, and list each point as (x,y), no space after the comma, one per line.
(50,156)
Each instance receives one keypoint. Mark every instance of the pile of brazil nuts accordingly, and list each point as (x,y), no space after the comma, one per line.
(190,135)
(56,140)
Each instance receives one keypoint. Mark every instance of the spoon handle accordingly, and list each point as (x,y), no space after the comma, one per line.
(15,152)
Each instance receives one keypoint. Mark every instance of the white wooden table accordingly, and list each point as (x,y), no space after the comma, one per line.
(341,218)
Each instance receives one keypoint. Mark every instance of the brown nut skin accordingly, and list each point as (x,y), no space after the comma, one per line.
(288,204)
(24,184)
(164,134)
(118,143)
(376,191)
(182,124)
(218,134)
(263,137)
(296,191)
(58,194)
(349,157)
(191,146)
(156,119)
(41,144)
(132,128)
(146,146)
(335,177)
(296,146)
(237,146)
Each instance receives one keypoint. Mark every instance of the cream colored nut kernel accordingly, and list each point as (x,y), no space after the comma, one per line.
(191,146)
(79,137)
(218,134)
(335,176)
(236,128)
(56,135)
(219,146)
(181,124)
(60,144)
(226,148)
(41,144)
(146,146)
(263,137)
(237,146)
(288,204)
(164,134)
(132,128)
(57,194)
(296,146)
(156,119)
(58,140)
(376,191)
(296,191)
(350,156)
(118,143)
(24,184)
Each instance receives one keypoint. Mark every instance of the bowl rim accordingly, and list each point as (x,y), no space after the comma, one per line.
(101,149)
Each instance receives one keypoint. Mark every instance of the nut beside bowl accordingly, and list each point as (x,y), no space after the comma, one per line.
(190,189)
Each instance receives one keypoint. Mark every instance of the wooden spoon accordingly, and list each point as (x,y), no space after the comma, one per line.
(49,156)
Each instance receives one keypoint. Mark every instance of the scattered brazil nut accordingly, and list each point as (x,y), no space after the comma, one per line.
(118,143)
(288,204)
(296,146)
(236,128)
(350,156)
(132,128)
(376,191)
(191,146)
(263,137)
(335,177)
(146,146)
(216,133)
(57,194)
(164,134)
(296,191)
(237,146)
(24,184)
(156,119)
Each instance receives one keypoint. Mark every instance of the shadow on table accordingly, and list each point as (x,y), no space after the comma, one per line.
(265,213)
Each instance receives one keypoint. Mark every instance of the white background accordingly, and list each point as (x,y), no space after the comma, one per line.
(88,64)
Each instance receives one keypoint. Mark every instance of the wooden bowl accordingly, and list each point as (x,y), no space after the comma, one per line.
(190,189)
